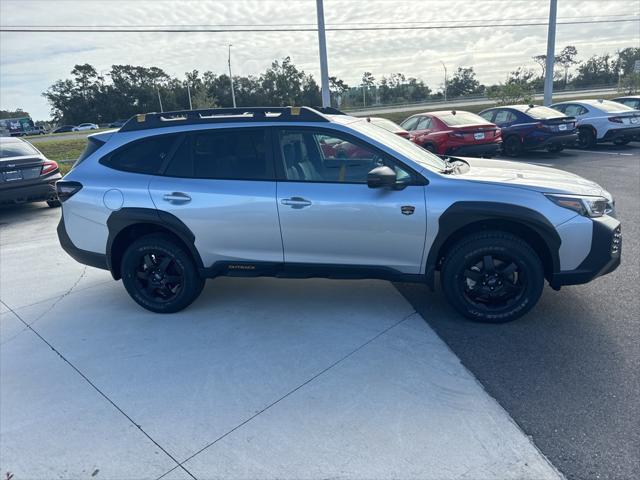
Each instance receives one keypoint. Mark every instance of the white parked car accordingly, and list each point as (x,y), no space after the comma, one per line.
(85,126)
(602,121)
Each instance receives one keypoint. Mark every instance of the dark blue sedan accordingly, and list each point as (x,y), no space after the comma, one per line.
(532,127)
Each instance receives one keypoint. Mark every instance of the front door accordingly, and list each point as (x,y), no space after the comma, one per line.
(328,214)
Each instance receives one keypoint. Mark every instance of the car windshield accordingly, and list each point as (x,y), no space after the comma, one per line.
(609,106)
(16,149)
(386,124)
(540,112)
(400,145)
(461,118)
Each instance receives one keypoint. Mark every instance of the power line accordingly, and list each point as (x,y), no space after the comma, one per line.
(399,22)
(191,29)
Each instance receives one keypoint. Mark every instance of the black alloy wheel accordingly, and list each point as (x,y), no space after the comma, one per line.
(160,274)
(492,277)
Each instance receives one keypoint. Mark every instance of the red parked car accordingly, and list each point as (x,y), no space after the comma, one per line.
(389,125)
(454,133)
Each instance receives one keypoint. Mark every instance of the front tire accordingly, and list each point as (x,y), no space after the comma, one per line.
(160,275)
(492,277)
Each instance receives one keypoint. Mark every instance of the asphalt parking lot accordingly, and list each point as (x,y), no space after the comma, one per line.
(568,372)
(271,378)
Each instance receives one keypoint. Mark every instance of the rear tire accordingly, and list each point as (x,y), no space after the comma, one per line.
(586,138)
(555,148)
(512,146)
(492,277)
(160,275)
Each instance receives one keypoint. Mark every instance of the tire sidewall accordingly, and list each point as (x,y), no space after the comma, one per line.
(512,146)
(192,282)
(526,260)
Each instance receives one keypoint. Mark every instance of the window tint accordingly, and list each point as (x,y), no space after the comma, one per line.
(572,110)
(504,116)
(322,157)
(424,123)
(487,115)
(410,124)
(16,149)
(144,156)
(231,154)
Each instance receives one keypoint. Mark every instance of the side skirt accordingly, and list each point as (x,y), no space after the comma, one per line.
(307,270)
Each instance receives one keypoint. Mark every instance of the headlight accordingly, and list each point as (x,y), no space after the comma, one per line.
(586,205)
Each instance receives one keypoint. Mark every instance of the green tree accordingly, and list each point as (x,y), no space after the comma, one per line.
(566,58)
(464,82)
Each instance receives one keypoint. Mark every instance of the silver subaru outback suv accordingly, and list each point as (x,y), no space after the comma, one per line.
(172,199)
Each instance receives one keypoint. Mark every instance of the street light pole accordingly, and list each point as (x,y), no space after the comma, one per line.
(551,47)
(445,80)
(159,99)
(322,43)
(233,95)
(189,93)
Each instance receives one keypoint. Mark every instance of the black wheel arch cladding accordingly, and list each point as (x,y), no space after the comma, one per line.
(130,217)
(469,216)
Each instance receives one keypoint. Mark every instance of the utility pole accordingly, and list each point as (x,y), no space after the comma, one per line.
(551,48)
(189,93)
(445,80)
(233,95)
(324,68)
(364,95)
(159,99)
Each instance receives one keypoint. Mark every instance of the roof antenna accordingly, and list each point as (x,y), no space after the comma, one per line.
(453,112)
(369,119)
(531,105)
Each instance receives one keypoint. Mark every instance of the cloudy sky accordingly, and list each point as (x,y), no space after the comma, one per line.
(30,62)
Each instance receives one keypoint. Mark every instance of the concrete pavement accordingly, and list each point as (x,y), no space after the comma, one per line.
(260,378)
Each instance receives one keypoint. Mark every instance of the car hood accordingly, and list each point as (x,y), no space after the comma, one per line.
(526,175)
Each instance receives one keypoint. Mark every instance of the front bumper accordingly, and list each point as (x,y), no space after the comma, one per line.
(603,258)
(477,149)
(624,133)
(43,189)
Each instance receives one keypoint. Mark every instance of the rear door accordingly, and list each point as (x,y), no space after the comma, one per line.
(221,184)
(328,214)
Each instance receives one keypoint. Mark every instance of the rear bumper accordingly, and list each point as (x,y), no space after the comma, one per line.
(44,189)
(93,259)
(567,139)
(603,258)
(477,149)
(625,133)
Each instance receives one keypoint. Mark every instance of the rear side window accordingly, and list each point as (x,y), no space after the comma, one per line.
(573,110)
(487,115)
(93,144)
(224,154)
(144,156)
(504,116)
(424,123)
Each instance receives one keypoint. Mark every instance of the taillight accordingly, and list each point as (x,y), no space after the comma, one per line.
(67,189)
(616,119)
(48,166)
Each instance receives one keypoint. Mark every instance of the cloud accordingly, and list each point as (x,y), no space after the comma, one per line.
(29,63)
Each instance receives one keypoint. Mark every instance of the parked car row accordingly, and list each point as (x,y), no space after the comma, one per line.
(514,129)
(76,128)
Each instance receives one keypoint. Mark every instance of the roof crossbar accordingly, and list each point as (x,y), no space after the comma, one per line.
(225,115)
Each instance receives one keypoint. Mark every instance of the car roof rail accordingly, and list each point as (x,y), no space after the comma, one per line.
(147,121)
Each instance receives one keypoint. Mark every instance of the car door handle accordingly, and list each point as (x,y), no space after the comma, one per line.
(176,197)
(295,202)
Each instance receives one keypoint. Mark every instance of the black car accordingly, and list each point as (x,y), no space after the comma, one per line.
(26,175)
(117,123)
(64,129)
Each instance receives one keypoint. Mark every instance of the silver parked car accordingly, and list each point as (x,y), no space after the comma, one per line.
(172,199)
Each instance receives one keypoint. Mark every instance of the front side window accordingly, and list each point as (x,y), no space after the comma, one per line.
(223,154)
(327,157)
(503,117)
(144,156)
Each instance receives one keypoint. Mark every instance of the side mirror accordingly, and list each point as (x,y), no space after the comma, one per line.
(381,177)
